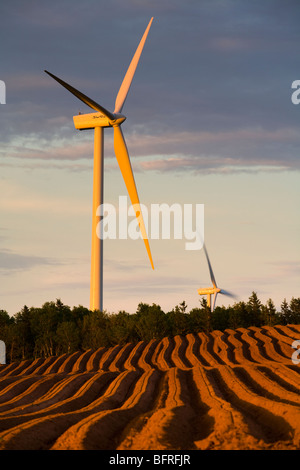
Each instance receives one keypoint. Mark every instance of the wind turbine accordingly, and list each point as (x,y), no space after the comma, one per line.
(99,120)
(215,290)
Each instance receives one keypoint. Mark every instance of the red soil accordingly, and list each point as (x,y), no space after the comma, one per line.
(224,390)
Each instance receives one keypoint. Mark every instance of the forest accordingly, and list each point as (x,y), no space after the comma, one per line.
(56,329)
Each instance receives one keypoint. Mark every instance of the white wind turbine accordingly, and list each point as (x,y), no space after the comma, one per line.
(98,121)
(215,290)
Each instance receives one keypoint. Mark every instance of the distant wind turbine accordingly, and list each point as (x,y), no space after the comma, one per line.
(98,121)
(215,290)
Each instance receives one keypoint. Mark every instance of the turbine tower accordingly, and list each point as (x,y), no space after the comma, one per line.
(215,290)
(99,120)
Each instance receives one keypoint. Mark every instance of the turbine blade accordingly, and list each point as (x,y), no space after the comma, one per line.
(124,88)
(126,170)
(85,99)
(229,294)
(210,268)
(214,301)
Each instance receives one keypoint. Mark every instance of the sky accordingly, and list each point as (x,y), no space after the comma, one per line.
(210,120)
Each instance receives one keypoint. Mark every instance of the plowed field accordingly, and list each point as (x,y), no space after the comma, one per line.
(236,389)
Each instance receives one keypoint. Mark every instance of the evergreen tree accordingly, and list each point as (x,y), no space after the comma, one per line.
(94,330)
(5,320)
(121,328)
(67,337)
(200,318)
(295,311)
(220,318)
(179,320)
(269,313)
(23,331)
(151,322)
(285,313)
(254,311)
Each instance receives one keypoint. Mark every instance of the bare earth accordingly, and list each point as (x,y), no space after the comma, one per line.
(224,390)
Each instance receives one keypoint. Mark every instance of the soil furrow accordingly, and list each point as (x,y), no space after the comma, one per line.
(214,347)
(261,384)
(57,393)
(17,368)
(41,433)
(118,363)
(93,361)
(164,359)
(204,354)
(284,375)
(54,367)
(5,369)
(81,363)
(102,430)
(272,423)
(191,358)
(108,357)
(68,364)
(281,343)
(178,355)
(193,350)
(173,422)
(267,344)
(243,350)
(15,387)
(145,360)
(33,366)
(40,370)
(132,362)
(288,331)
(88,393)
(253,345)
(225,427)
(220,347)
(36,390)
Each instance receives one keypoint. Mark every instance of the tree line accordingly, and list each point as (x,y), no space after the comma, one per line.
(56,329)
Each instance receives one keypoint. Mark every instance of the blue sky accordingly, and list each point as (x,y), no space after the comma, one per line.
(209,121)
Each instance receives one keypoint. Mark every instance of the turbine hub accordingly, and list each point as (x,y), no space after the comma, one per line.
(119,118)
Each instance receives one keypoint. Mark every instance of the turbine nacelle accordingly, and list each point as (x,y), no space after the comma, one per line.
(92,120)
(209,291)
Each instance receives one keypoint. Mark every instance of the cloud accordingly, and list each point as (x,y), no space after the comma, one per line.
(286,268)
(229,151)
(20,199)
(11,261)
(216,96)
(241,150)
(211,165)
(27,82)
(34,147)
(192,142)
